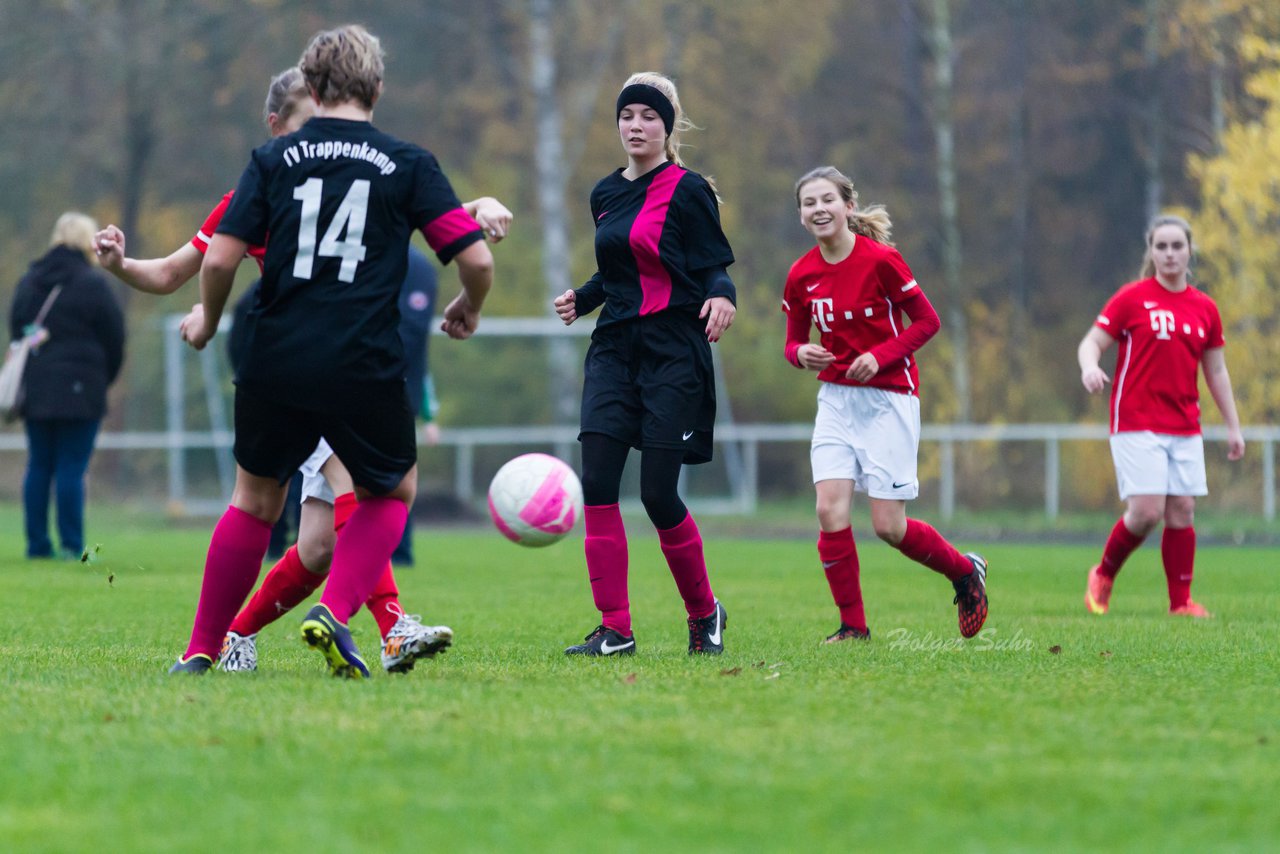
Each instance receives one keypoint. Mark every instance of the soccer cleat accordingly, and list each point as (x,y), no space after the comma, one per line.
(1191,609)
(603,641)
(409,640)
(706,635)
(971,597)
(195,665)
(1097,594)
(847,632)
(239,653)
(323,632)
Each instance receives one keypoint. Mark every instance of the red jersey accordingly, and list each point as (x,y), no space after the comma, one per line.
(205,234)
(1163,335)
(857,306)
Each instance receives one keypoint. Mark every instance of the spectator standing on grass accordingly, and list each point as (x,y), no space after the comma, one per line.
(665,296)
(1168,330)
(855,288)
(66,379)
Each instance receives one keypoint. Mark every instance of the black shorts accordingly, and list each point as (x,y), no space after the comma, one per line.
(650,383)
(371,430)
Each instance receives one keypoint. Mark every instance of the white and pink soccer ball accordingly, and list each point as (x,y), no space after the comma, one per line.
(535,499)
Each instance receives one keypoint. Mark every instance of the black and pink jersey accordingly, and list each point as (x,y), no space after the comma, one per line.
(653,236)
(340,200)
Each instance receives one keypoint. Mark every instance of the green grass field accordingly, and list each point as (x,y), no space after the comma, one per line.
(1054,730)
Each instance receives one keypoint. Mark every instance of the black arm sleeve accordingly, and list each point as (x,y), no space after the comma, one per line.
(715,282)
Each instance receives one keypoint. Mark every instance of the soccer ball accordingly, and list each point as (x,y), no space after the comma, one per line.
(535,499)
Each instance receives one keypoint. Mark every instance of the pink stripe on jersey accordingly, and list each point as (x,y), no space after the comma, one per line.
(646,231)
(448,227)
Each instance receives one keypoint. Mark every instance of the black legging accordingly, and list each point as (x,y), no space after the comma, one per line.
(602,460)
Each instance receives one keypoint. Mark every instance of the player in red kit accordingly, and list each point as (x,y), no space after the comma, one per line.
(1167,331)
(855,289)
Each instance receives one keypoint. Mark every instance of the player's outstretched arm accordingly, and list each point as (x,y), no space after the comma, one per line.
(217,275)
(151,275)
(1088,354)
(475,271)
(1218,380)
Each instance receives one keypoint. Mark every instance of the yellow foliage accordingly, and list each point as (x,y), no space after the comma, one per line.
(1237,231)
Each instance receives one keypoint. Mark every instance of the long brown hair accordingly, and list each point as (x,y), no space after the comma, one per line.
(871,221)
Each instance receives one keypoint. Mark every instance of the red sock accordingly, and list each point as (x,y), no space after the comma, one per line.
(384,602)
(606,550)
(236,549)
(925,545)
(1119,546)
(839,556)
(1178,549)
(682,547)
(363,551)
(343,506)
(286,586)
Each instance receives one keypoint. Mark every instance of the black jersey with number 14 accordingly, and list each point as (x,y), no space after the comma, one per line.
(339,199)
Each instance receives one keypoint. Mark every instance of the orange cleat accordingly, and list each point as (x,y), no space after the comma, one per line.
(1097,595)
(1191,609)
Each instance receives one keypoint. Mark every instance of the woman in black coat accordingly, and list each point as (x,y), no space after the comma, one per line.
(66,379)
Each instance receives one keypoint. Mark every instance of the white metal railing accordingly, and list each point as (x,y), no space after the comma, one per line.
(748,438)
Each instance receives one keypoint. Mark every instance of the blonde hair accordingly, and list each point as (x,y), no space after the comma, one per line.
(667,87)
(286,91)
(872,221)
(344,65)
(75,230)
(1148,265)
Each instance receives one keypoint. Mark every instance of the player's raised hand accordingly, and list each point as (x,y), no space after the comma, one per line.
(494,218)
(193,330)
(863,368)
(1094,379)
(566,306)
(461,319)
(815,357)
(109,245)
(719,312)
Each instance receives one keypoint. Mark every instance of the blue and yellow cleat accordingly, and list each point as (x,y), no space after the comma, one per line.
(323,632)
(193,665)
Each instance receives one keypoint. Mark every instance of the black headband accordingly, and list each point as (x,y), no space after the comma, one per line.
(650,96)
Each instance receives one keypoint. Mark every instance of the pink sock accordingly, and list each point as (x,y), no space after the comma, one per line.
(286,586)
(1178,548)
(1120,544)
(384,602)
(682,547)
(364,548)
(839,556)
(231,568)
(925,545)
(606,550)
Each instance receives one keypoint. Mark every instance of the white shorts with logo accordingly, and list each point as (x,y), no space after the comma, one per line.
(1158,464)
(867,435)
(313,483)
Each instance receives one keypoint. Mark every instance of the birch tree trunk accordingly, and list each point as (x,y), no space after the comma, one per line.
(552,177)
(948,207)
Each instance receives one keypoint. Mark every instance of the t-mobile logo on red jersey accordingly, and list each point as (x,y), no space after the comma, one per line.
(1163,323)
(823,313)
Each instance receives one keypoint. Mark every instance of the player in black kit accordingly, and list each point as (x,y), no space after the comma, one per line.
(649,384)
(340,200)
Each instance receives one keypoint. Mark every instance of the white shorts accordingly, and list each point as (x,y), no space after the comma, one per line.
(1158,464)
(313,483)
(867,435)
